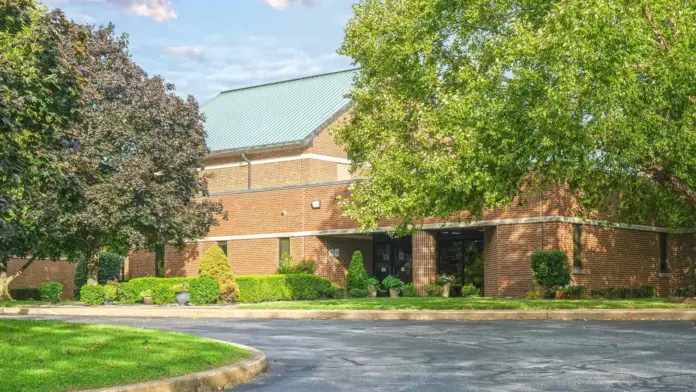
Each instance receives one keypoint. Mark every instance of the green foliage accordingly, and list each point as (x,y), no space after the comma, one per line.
(163,295)
(678,292)
(574,291)
(127,294)
(433,290)
(204,291)
(25,294)
(110,292)
(550,268)
(336,292)
(470,290)
(92,295)
(461,104)
(51,291)
(257,288)
(532,294)
(109,269)
(358,293)
(150,283)
(625,292)
(357,275)
(409,290)
(214,264)
(373,282)
(288,266)
(391,282)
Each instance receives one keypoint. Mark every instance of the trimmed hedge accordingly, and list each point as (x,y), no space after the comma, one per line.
(92,295)
(625,292)
(163,295)
(138,285)
(26,294)
(127,294)
(51,291)
(359,293)
(258,288)
(204,291)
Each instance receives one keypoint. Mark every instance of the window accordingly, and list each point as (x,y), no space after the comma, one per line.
(284,246)
(223,246)
(159,261)
(664,268)
(577,249)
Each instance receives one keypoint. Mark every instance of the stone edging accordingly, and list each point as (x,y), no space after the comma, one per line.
(233,313)
(207,381)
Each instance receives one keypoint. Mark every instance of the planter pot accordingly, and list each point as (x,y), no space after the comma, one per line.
(394,293)
(560,295)
(148,301)
(107,302)
(372,290)
(446,290)
(183,298)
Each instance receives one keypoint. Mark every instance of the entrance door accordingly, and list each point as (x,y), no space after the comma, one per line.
(460,253)
(392,256)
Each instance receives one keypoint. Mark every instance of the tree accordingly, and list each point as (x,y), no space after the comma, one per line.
(357,275)
(463,105)
(550,268)
(215,264)
(138,165)
(38,90)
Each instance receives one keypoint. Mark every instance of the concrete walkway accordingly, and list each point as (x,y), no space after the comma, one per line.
(229,312)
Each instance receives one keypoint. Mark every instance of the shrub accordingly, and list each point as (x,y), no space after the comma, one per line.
(204,291)
(257,288)
(433,290)
(142,284)
(109,269)
(288,266)
(26,294)
(51,291)
(127,294)
(337,292)
(163,295)
(575,291)
(470,290)
(111,291)
(625,292)
(92,295)
(409,290)
(214,264)
(357,276)
(678,292)
(532,294)
(358,293)
(550,268)
(373,282)
(391,282)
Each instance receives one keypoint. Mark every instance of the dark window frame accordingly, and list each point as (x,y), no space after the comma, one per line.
(577,249)
(280,246)
(159,261)
(223,246)
(664,258)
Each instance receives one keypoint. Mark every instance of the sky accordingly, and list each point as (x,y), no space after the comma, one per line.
(208,46)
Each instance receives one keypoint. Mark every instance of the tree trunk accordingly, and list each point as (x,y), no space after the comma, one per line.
(5,281)
(92,268)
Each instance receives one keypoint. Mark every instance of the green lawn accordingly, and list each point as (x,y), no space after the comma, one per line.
(54,356)
(21,303)
(466,304)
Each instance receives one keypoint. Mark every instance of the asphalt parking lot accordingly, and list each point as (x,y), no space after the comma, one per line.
(316,355)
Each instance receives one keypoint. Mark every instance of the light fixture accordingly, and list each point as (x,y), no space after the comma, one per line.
(316,204)
(283,213)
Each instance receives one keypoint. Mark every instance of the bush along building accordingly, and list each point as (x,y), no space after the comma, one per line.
(274,165)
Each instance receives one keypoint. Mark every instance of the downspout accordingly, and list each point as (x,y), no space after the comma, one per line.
(248,170)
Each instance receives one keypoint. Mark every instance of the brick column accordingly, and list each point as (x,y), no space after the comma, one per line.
(424,260)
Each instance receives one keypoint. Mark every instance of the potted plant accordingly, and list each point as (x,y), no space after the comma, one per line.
(110,293)
(445,281)
(181,293)
(147,297)
(393,284)
(372,285)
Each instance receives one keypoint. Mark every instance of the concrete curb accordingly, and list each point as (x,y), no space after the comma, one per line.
(233,313)
(208,381)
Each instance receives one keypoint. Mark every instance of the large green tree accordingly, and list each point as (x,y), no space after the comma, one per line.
(461,104)
(138,166)
(38,90)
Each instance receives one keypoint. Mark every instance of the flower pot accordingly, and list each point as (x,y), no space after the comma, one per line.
(108,302)
(182,298)
(148,301)
(394,293)
(372,290)
(560,295)
(446,290)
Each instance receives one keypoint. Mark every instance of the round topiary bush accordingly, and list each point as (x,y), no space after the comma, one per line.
(409,290)
(51,291)
(550,268)
(214,264)
(92,295)
(357,275)
(204,291)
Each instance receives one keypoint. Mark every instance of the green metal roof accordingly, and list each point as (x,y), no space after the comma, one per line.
(276,114)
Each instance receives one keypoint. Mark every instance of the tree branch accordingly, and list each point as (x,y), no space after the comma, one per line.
(660,37)
(26,265)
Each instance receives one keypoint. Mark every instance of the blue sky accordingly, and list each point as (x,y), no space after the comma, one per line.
(207,46)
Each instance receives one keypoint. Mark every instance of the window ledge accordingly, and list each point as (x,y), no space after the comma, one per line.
(665,274)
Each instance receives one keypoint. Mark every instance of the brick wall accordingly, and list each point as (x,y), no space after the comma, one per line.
(42,271)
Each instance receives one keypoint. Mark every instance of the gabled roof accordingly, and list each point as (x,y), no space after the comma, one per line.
(277,114)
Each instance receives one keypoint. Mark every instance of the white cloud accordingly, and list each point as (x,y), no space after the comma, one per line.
(184,51)
(282,4)
(159,10)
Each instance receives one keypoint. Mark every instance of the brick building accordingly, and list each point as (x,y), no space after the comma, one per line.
(278,172)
